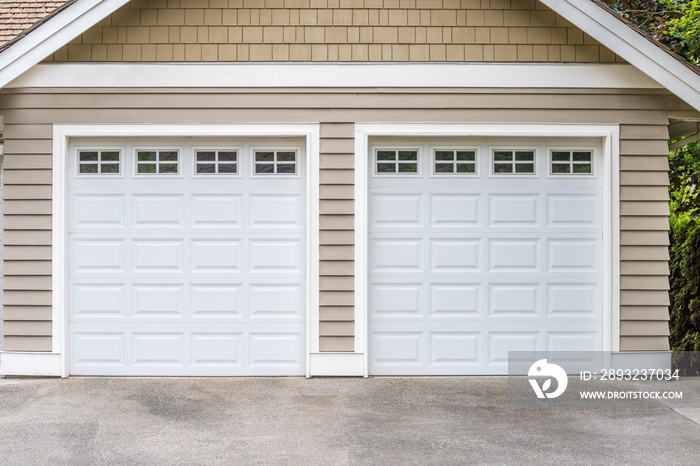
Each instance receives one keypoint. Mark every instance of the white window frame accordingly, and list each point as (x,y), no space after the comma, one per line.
(282,148)
(419,161)
(455,174)
(570,149)
(513,148)
(98,148)
(56,362)
(217,149)
(609,170)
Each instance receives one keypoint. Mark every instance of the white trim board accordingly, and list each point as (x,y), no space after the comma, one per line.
(61,136)
(207,75)
(30,364)
(611,220)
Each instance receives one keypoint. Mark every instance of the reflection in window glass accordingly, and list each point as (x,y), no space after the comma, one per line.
(571,162)
(519,162)
(396,161)
(276,162)
(216,162)
(97,162)
(158,162)
(454,161)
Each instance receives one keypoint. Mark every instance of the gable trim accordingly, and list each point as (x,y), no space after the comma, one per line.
(207,75)
(648,56)
(52,35)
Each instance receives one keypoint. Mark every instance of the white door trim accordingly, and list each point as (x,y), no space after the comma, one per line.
(61,136)
(610,135)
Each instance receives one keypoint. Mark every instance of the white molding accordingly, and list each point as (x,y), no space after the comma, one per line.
(631,45)
(611,221)
(52,35)
(61,135)
(336,364)
(207,75)
(30,364)
(659,360)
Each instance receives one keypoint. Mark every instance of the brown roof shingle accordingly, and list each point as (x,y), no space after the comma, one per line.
(19,17)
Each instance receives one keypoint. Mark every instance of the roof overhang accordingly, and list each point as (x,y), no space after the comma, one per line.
(52,35)
(606,28)
(634,47)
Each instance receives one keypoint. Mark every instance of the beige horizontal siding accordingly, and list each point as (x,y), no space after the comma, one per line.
(329,30)
(643,114)
(27,238)
(644,238)
(337,208)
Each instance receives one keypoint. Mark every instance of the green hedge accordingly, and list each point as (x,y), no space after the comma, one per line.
(685,284)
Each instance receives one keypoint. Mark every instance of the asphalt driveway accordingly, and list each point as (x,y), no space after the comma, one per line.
(322,421)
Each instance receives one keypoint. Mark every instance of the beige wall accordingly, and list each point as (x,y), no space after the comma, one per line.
(334,30)
(29,115)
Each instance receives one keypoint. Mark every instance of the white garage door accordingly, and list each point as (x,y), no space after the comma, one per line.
(187,257)
(480,247)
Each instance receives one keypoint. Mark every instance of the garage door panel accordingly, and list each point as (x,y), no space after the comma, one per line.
(397,254)
(577,210)
(394,210)
(98,211)
(158,255)
(102,256)
(213,255)
(216,211)
(158,211)
(98,300)
(276,210)
(455,254)
(514,254)
(455,210)
(187,276)
(464,269)
(514,210)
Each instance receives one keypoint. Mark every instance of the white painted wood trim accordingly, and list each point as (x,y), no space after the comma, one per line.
(611,196)
(208,75)
(337,364)
(62,133)
(631,45)
(30,364)
(52,35)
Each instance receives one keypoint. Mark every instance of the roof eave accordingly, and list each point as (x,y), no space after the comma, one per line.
(52,35)
(649,57)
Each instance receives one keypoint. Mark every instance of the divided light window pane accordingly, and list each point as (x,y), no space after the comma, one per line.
(213,162)
(158,162)
(572,162)
(396,161)
(275,162)
(517,162)
(99,162)
(454,161)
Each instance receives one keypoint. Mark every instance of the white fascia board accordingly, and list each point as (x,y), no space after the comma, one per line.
(304,75)
(52,35)
(647,56)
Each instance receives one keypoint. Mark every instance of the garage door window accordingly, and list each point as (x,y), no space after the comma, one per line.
(454,161)
(275,162)
(216,162)
(571,162)
(396,161)
(158,162)
(99,162)
(514,162)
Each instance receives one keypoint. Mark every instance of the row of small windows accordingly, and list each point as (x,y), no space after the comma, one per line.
(464,162)
(206,162)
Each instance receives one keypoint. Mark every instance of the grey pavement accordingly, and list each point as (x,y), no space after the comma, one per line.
(80,421)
